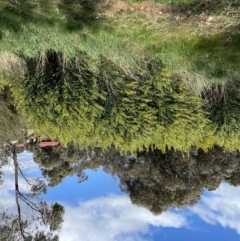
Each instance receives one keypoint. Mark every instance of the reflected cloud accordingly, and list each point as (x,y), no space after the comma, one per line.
(7,189)
(113,218)
(220,207)
(26,162)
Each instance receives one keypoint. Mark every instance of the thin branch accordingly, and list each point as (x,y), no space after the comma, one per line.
(16,168)
(20,170)
(29,203)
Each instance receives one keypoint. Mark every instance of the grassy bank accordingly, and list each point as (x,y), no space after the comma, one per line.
(196,40)
(101,69)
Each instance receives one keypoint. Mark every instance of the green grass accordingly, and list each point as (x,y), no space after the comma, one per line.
(200,60)
(31,29)
(201,56)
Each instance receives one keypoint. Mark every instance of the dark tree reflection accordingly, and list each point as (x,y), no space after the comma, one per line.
(152,179)
(158,181)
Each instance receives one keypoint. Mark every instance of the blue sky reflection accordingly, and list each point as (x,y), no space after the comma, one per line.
(98,210)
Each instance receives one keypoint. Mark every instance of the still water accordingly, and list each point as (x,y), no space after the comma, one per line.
(135,199)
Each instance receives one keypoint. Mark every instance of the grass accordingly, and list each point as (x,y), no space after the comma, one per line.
(199,59)
(11,66)
(199,51)
(31,28)
(199,6)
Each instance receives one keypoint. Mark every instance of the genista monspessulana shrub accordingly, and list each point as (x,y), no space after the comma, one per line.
(65,99)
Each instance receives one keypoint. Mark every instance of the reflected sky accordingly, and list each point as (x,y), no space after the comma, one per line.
(98,210)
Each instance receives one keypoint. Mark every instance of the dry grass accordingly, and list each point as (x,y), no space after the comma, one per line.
(11,66)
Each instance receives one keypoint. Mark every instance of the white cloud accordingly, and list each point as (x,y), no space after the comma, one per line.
(113,218)
(26,162)
(7,189)
(221,207)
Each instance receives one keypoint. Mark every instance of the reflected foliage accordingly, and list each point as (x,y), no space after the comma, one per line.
(56,163)
(158,180)
(41,221)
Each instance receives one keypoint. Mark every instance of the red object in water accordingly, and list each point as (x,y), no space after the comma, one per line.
(20,145)
(48,143)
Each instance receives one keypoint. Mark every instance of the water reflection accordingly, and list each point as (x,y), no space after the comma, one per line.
(153,180)
(32,218)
